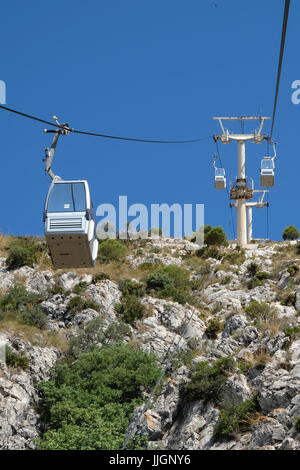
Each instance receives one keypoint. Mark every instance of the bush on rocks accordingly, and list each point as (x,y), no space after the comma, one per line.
(111,250)
(88,403)
(131,308)
(100,277)
(128,287)
(235,419)
(23,251)
(259,311)
(208,379)
(214,236)
(17,360)
(290,233)
(213,328)
(77,304)
(170,282)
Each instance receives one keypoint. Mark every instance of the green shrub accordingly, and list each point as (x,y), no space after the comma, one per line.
(236,257)
(262,275)
(245,366)
(215,236)
(88,403)
(214,327)
(252,269)
(18,360)
(111,250)
(100,277)
(116,332)
(177,276)
(225,280)
(209,252)
(80,287)
(235,419)
(94,333)
(18,257)
(292,269)
(208,379)
(290,233)
(17,299)
(147,266)
(297,425)
(258,276)
(128,287)
(287,298)
(77,304)
(254,282)
(35,316)
(259,311)
(297,248)
(23,251)
(131,308)
(175,294)
(57,289)
(171,282)
(292,331)
(158,281)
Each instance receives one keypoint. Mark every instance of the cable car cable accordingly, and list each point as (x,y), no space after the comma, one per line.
(283,35)
(105,136)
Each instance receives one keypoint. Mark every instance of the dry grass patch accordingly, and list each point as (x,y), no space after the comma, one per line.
(115,270)
(259,359)
(275,326)
(34,335)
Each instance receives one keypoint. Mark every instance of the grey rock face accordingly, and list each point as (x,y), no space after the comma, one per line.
(69,280)
(284,278)
(297,304)
(276,387)
(234,323)
(265,433)
(106,294)
(235,391)
(40,282)
(19,421)
(193,428)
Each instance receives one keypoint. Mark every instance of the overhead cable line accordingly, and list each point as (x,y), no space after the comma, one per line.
(283,35)
(105,136)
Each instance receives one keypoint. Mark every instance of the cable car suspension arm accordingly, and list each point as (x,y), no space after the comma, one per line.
(50,152)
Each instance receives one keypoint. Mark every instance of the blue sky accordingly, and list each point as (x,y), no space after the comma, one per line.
(157,70)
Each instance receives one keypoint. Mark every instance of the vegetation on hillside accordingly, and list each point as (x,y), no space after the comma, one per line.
(88,404)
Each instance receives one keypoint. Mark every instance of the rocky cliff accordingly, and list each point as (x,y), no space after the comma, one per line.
(221,319)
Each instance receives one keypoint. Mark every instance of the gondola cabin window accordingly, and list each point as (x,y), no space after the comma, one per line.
(67,197)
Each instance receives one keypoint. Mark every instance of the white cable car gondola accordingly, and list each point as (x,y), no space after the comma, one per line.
(267,171)
(220,176)
(69,219)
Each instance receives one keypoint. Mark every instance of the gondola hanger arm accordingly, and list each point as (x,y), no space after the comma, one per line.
(50,152)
